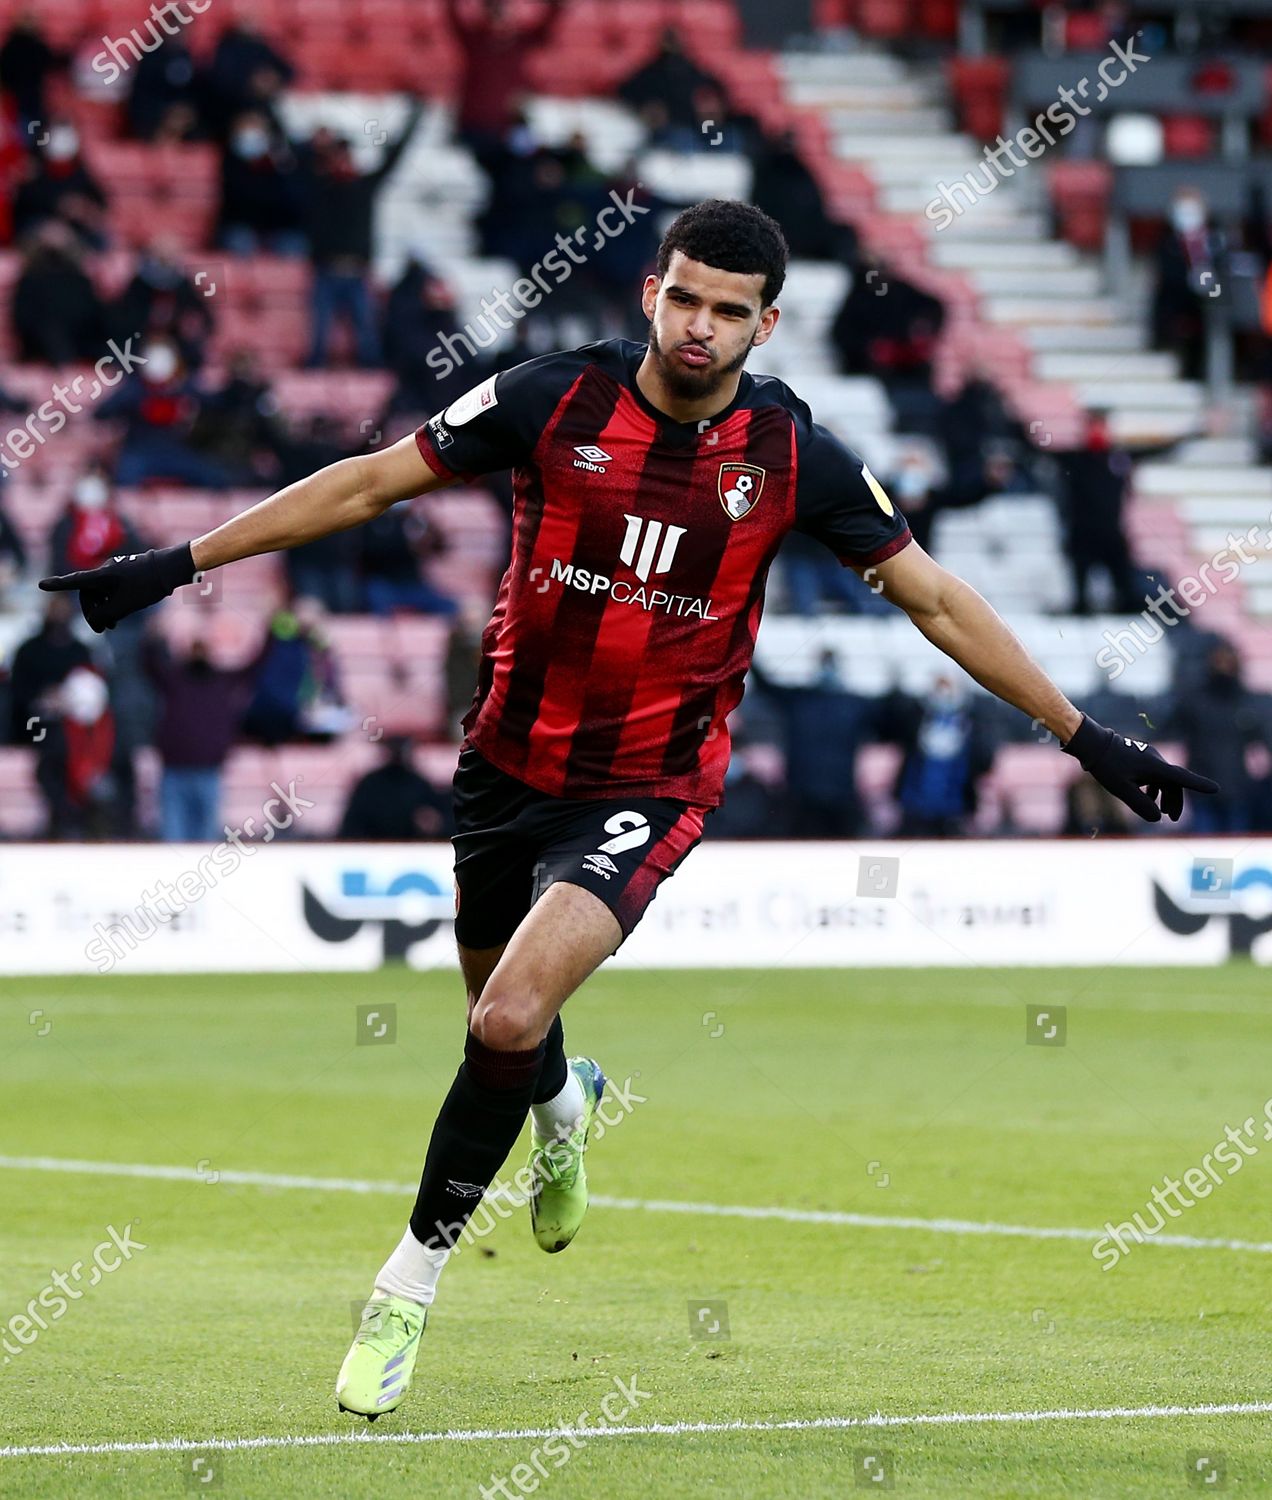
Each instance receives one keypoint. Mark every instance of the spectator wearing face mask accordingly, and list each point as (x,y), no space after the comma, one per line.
(91,529)
(159,406)
(41,662)
(1225,728)
(161,301)
(200,707)
(261,191)
(58,318)
(60,186)
(75,758)
(943,758)
(1190,265)
(916,487)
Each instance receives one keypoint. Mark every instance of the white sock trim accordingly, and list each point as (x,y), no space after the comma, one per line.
(555,1118)
(412,1271)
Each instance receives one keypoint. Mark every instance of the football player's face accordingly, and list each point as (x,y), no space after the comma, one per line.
(703,322)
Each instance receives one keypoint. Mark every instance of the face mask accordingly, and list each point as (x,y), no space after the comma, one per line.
(161,364)
(1188,216)
(251,144)
(91,492)
(84,696)
(911,483)
(63,143)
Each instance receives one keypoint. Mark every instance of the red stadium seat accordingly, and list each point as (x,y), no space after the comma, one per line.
(980,86)
(1188,136)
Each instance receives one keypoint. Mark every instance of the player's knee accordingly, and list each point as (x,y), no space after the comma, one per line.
(508,1022)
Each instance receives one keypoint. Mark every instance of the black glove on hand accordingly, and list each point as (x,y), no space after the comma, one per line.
(124,585)
(1125,766)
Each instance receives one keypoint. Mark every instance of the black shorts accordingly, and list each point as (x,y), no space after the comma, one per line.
(513,842)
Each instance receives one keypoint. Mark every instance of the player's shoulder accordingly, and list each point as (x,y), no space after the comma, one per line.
(555,372)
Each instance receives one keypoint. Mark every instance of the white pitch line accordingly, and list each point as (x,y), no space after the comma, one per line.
(643,1205)
(650,1429)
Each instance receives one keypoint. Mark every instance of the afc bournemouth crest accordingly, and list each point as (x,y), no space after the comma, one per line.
(740,488)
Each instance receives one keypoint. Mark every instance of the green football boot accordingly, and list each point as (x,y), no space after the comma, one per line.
(558,1199)
(376,1374)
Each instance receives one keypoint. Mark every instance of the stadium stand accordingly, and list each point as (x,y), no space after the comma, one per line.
(1043,281)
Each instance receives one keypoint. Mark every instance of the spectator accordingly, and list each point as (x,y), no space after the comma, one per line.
(58,318)
(824,727)
(494,50)
(1189,268)
(1090,811)
(13,557)
(944,757)
(297,693)
(966,425)
(783,187)
(815,577)
(917,488)
(667,93)
(90,530)
(261,191)
(1094,481)
(161,301)
(394,803)
(246,73)
(58,186)
(887,327)
(26,63)
(1224,730)
(341,203)
(42,661)
(419,314)
(394,544)
(200,706)
(160,405)
(75,758)
(238,425)
(164,78)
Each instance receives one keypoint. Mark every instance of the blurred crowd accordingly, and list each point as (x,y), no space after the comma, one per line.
(186,419)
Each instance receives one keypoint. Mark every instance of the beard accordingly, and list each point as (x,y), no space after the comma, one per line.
(693,385)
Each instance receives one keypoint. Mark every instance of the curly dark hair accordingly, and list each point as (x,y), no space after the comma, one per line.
(731,236)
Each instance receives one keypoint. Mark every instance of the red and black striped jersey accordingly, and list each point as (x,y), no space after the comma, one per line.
(626,621)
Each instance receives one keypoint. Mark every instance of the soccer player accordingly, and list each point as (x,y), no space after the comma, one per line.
(653,486)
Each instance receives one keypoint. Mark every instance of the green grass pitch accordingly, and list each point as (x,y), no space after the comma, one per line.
(899,1094)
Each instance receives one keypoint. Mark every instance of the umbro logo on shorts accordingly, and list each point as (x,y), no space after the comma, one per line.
(600,864)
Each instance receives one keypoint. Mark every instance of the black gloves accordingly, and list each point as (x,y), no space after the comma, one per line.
(126,584)
(1124,766)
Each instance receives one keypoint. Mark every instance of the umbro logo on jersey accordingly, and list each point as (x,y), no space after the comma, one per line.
(600,864)
(592,458)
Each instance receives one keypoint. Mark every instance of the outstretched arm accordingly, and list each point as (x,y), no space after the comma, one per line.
(343,495)
(954,617)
